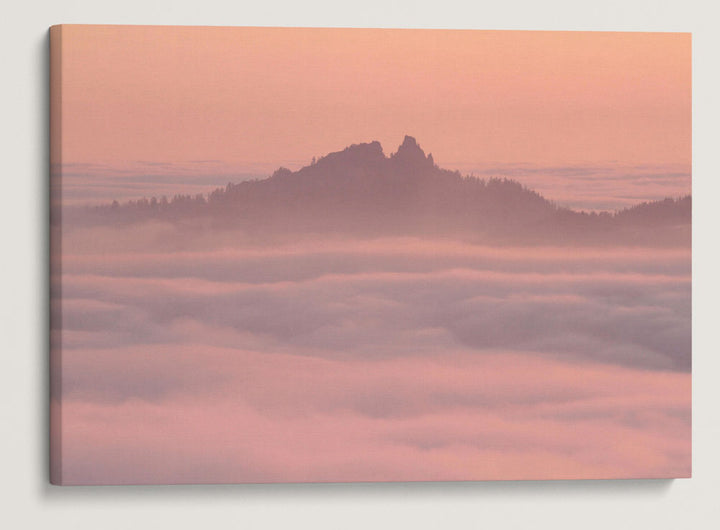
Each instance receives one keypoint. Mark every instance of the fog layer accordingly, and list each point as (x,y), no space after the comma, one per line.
(339,359)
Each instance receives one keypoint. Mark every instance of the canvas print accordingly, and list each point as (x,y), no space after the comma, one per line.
(338,255)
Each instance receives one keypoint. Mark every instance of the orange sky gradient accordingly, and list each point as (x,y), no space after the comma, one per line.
(265,97)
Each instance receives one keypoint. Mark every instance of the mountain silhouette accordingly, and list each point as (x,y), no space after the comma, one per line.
(361,191)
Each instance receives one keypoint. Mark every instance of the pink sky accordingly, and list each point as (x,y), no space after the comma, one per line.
(262,97)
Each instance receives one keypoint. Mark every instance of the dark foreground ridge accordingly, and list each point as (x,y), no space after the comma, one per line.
(361,191)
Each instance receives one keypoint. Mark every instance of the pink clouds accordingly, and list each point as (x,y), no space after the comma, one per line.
(456,416)
(389,359)
(628,306)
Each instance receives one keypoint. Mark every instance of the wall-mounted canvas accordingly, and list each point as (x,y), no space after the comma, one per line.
(338,255)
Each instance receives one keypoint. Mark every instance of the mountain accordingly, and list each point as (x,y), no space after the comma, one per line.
(362,191)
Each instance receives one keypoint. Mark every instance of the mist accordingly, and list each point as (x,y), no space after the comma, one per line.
(215,357)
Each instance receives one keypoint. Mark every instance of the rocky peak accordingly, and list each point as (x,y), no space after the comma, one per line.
(355,155)
(411,155)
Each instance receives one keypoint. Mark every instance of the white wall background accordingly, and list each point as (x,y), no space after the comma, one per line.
(26,499)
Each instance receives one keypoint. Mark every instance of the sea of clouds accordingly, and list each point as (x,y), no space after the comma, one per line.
(190,357)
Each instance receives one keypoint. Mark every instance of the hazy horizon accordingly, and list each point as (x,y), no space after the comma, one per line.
(590,187)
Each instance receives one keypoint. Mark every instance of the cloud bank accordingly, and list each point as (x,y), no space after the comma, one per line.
(387,359)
